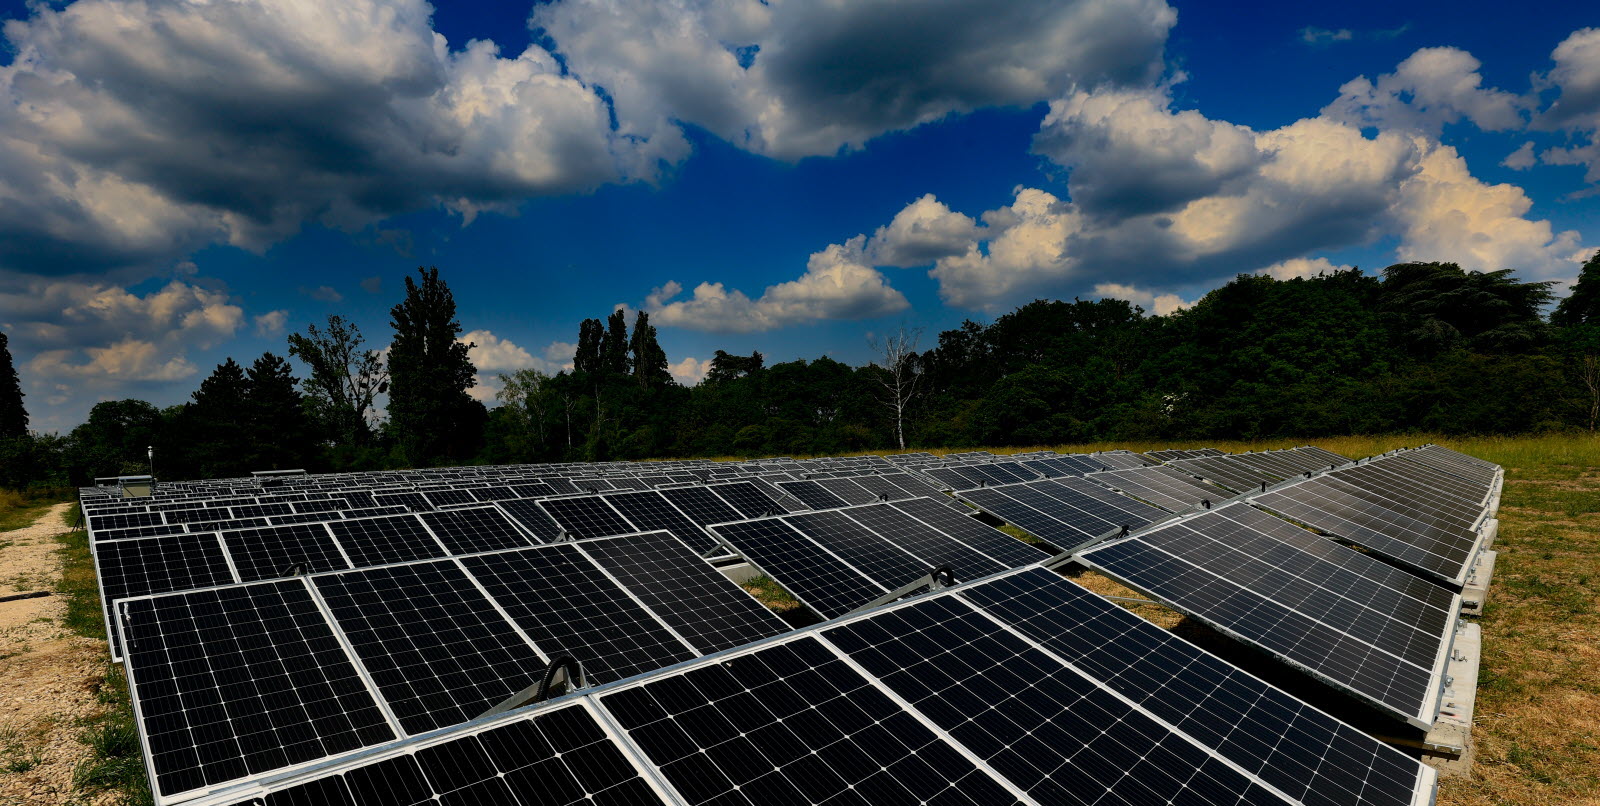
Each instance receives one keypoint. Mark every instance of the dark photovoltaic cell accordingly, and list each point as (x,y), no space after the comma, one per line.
(141,531)
(412,501)
(793,723)
(1054,733)
(1355,621)
(932,547)
(147,565)
(879,559)
(587,516)
(649,511)
(696,600)
(746,497)
(437,649)
(1307,754)
(1040,515)
(818,579)
(1008,550)
(468,531)
(99,522)
(379,541)
(326,505)
(242,680)
(309,517)
(559,757)
(449,498)
(532,517)
(569,606)
(199,515)
(261,510)
(812,494)
(218,526)
(848,490)
(1168,488)
(701,505)
(283,551)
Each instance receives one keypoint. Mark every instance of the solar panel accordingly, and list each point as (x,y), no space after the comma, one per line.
(701,505)
(1232,475)
(218,526)
(467,531)
(412,501)
(380,541)
(1309,755)
(1028,508)
(308,517)
(691,596)
(812,494)
(141,531)
(99,522)
(437,649)
(880,560)
(649,510)
(748,499)
(199,515)
(792,723)
(567,605)
(261,510)
(1348,618)
(559,756)
(236,681)
(1165,487)
(448,498)
(932,547)
(532,517)
(586,516)
(1443,550)
(819,579)
(326,505)
(848,490)
(1009,551)
(146,565)
(283,551)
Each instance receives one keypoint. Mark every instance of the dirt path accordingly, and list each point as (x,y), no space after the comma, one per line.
(47,674)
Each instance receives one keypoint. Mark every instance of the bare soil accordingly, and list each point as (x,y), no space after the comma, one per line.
(47,675)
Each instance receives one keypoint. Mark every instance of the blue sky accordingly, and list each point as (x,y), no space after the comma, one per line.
(183,182)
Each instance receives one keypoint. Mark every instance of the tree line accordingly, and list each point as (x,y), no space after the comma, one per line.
(1416,347)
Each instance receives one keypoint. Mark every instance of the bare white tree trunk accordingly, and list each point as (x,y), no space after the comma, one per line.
(897,354)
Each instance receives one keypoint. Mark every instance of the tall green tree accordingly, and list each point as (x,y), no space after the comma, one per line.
(614,350)
(645,354)
(1582,306)
(430,414)
(345,378)
(591,337)
(1438,307)
(278,427)
(13,416)
(215,431)
(113,441)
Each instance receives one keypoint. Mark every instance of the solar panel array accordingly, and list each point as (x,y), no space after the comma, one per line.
(1400,506)
(1023,688)
(245,679)
(1352,620)
(288,641)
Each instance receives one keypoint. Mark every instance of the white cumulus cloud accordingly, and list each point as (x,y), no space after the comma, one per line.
(1301,267)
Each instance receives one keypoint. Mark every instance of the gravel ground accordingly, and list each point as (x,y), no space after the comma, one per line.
(47,675)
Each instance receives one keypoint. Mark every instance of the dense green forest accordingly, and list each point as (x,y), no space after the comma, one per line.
(1420,347)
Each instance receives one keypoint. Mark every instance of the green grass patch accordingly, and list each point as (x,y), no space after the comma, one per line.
(19,510)
(16,756)
(78,588)
(115,763)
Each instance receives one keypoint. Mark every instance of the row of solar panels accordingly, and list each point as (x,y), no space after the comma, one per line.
(1023,688)
(425,631)
(1350,618)
(134,565)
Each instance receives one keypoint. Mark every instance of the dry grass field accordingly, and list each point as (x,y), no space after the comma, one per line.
(1538,712)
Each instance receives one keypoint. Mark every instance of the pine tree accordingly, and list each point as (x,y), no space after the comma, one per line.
(215,430)
(430,414)
(279,432)
(13,417)
(1581,307)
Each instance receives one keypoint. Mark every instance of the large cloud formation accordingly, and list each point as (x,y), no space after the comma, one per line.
(133,132)
(797,79)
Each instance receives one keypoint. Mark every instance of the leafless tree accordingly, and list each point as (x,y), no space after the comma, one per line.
(901,378)
(1589,373)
